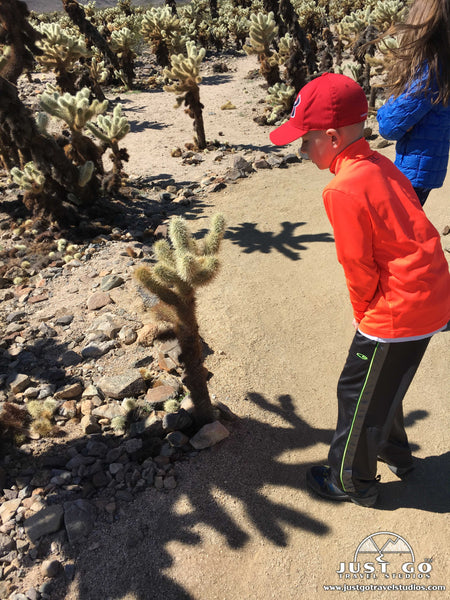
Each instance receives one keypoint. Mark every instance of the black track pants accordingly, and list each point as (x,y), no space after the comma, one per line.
(375,378)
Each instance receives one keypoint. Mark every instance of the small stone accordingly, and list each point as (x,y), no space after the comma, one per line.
(79,519)
(160,394)
(73,390)
(8,509)
(127,335)
(90,425)
(19,383)
(47,520)
(209,434)
(147,334)
(98,300)
(128,384)
(110,282)
(51,568)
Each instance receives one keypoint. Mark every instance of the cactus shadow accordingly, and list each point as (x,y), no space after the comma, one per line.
(216,79)
(248,237)
(241,468)
(129,556)
(139,126)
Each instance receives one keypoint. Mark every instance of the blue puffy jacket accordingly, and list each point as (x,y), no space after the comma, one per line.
(422,131)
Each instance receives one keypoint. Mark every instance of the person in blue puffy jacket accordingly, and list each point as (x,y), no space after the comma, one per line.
(417,115)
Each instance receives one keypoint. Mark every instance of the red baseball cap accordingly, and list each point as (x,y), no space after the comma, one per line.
(327,102)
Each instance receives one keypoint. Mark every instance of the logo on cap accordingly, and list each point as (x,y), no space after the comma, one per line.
(296,103)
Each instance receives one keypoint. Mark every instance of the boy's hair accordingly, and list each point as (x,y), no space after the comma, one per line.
(424,50)
(330,101)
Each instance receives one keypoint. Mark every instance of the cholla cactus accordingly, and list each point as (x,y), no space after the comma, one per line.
(185,75)
(162,30)
(110,131)
(353,25)
(263,30)
(387,13)
(75,110)
(42,413)
(280,97)
(61,51)
(123,43)
(31,179)
(183,264)
(310,16)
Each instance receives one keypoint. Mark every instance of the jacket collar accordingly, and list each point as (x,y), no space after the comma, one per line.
(356,151)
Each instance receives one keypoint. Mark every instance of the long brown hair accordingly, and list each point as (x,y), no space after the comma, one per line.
(424,50)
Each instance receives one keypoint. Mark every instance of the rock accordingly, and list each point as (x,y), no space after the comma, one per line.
(160,394)
(127,335)
(51,568)
(109,411)
(64,320)
(97,350)
(19,382)
(8,509)
(79,519)
(89,425)
(170,483)
(129,383)
(98,300)
(68,409)
(240,164)
(179,420)
(261,163)
(108,324)
(209,434)
(6,544)
(110,282)
(47,520)
(177,439)
(73,390)
(147,334)
(275,161)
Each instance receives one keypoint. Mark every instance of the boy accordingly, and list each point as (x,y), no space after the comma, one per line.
(397,277)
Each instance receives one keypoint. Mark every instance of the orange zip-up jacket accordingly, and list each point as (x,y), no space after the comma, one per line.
(397,275)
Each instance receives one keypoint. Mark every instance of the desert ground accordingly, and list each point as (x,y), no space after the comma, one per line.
(277,324)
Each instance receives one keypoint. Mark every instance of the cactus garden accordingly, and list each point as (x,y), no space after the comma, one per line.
(159,290)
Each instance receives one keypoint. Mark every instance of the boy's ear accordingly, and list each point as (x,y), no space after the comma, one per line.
(335,136)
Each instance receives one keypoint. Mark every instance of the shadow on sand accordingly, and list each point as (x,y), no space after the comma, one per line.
(240,468)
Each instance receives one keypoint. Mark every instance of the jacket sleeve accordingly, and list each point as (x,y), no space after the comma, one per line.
(353,238)
(398,115)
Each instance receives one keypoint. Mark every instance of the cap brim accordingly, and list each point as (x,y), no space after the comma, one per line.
(285,134)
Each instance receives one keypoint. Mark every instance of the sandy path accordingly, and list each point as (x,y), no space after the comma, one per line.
(240,524)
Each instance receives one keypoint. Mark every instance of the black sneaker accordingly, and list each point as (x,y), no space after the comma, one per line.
(319,480)
(401,472)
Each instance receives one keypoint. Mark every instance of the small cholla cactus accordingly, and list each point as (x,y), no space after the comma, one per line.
(183,264)
(75,110)
(263,31)
(124,43)
(31,179)
(41,412)
(110,131)
(184,73)
(280,97)
(387,13)
(61,51)
(162,30)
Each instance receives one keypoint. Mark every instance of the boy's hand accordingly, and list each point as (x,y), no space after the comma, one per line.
(355,323)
